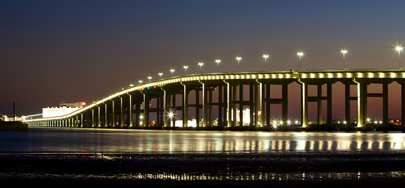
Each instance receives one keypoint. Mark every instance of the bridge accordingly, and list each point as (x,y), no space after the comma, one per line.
(130,107)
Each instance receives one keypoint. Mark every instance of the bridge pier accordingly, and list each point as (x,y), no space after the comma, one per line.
(403,102)
(165,124)
(112,115)
(304,104)
(204,103)
(130,115)
(185,105)
(81,120)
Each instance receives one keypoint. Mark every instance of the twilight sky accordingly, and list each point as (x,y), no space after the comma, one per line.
(53,51)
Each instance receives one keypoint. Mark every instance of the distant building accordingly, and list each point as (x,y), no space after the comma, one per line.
(72,104)
(63,109)
(16,118)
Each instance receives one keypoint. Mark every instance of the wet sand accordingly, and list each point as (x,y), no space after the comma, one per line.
(287,169)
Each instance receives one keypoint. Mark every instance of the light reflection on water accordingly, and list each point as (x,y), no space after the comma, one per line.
(245,176)
(155,141)
(263,176)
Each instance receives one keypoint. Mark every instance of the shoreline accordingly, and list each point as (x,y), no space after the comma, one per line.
(218,169)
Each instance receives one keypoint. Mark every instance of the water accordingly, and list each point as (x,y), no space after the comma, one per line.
(157,141)
(117,154)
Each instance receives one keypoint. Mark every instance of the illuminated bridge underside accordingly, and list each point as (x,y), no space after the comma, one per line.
(126,107)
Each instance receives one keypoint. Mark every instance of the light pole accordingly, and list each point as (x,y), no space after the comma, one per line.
(185,69)
(172,70)
(300,54)
(238,58)
(200,64)
(265,56)
(218,61)
(140,81)
(160,74)
(149,78)
(399,49)
(344,58)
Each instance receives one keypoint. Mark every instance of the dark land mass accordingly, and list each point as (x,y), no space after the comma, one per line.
(286,169)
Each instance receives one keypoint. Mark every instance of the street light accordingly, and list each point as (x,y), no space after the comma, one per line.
(149,78)
(399,49)
(172,70)
(140,81)
(171,115)
(200,64)
(160,74)
(238,58)
(185,68)
(300,54)
(265,56)
(344,58)
(217,61)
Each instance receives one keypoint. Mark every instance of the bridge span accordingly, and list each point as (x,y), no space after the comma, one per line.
(127,106)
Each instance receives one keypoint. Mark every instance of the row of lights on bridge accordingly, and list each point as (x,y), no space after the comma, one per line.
(300,54)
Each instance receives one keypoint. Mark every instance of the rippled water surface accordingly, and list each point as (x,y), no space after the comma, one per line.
(159,141)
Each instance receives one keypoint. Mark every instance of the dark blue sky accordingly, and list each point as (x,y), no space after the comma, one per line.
(83,50)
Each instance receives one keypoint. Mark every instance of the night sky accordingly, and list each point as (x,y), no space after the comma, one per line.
(53,51)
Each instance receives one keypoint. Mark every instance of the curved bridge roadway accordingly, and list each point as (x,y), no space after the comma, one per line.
(126,107)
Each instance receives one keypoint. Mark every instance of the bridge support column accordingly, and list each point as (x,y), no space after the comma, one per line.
(146,118)
(130,115)
(138,114)
(262,104)
(403,103)
(228,104)
(185,106)
(258,103)
(210,120)
(204,101)
(81,120)
(361,103)
(268,105)
(122,112)
(234,105)
(329,103)
(99,116)
(319,100)
(385,103)
(112,114)
(285,103)
(241,105)
(220,107)
(105,115)
(173,109)
(197,107)
(92,118)
(252,102)
(304,104)
(165,124)
(347,103)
